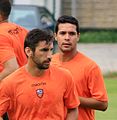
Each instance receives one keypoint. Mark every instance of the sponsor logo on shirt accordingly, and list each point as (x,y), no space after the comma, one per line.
(40,93)
(14,31)
(38,84)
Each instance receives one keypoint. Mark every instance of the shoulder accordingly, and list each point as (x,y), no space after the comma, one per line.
(61,75)
(85,59)
(15,76)
(90,66)
(20,27)
(60,71)
(55,56)
(9,28)
(13,81)
(15,29)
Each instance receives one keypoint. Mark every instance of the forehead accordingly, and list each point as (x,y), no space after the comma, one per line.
(43,44)
(66,27)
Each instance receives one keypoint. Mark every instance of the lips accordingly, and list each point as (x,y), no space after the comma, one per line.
(66,44)
(47,62)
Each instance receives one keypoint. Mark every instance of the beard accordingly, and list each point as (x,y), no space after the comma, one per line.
(41,65)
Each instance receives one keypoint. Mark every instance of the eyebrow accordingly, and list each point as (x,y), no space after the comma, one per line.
(70,32)
(45,49)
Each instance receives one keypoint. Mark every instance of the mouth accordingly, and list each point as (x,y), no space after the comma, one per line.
(47,62)
(66,44)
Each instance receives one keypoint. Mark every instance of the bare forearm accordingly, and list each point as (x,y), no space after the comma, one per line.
(6,72)
(93,104)
(72,114)
(1,118)
(9,67)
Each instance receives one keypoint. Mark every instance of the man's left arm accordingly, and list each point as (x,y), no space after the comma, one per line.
(98,99)
(72,114)
(93,103)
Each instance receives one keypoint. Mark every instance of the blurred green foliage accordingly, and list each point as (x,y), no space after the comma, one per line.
(98,36)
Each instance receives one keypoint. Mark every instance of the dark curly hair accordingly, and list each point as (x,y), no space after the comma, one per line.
(5,8)
(35,36)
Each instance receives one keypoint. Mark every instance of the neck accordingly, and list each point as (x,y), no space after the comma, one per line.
(3,21)
(64,57)
(34,71)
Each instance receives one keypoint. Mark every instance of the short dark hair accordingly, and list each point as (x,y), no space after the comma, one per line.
(5,8)
(67,19)
(37,35)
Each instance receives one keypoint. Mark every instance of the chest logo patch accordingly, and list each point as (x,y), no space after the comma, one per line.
(40,93)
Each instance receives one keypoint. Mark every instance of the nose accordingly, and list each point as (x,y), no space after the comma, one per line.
(49,55)
(67,36)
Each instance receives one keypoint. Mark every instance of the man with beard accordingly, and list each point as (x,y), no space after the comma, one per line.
(38,90)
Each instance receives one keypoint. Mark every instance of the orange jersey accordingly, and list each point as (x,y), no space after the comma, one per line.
(88,79)
(12,43)
(38,98)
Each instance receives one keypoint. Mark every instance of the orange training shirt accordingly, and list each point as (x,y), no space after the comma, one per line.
(88,79)
(38,98)
(12,43)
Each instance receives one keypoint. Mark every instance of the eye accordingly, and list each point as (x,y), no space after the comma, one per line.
(52,49)
(45,49)
(62,33)
(72,33)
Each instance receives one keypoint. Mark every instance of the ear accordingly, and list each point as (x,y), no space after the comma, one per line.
(1,19)
(78,38)
(55,36)
(28,51)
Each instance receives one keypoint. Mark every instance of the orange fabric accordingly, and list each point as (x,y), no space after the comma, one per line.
(12,43)
(38,98)
(88,79)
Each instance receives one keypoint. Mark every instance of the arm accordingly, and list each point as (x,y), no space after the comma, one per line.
(1,118)
(9,67)
(98,99)
(93,104)
(72,114)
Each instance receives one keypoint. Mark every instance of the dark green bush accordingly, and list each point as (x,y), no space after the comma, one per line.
(110,75)
(98,36)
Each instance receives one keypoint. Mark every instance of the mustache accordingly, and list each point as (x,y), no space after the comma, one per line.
(48,60)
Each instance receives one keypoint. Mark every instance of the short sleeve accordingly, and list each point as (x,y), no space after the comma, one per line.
(96,84)
(6,49)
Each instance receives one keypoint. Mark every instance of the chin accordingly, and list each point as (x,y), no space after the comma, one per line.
(45,67)
(66,50)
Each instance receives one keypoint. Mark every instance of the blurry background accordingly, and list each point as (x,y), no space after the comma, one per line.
(91,13)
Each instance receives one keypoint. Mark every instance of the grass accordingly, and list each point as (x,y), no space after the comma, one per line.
(111,113)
